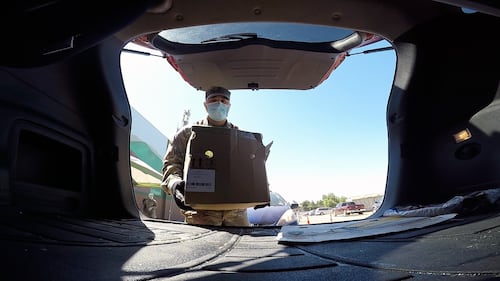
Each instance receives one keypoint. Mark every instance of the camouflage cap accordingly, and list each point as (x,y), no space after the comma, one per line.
(217,91)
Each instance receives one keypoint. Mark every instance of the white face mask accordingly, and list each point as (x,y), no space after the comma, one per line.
(217,111)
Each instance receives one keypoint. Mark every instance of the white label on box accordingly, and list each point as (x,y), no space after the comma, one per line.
(200,180)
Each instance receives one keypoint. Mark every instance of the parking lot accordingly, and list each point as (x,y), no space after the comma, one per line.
(328,218)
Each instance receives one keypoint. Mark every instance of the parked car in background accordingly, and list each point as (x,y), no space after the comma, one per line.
(279,212)
(347,208)
(322,211)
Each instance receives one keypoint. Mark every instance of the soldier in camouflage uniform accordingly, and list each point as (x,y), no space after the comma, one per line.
(217,104)
(149,206)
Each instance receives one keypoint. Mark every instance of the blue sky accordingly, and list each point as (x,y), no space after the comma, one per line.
(331,139)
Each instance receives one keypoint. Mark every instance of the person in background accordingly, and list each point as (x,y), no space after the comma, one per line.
(149,206)
(217,104)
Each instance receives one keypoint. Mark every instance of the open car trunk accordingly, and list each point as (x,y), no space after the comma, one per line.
(66,193)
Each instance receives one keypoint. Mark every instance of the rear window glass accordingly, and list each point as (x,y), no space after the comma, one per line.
(237,31)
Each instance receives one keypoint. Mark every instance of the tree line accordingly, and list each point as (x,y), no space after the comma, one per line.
(328,200)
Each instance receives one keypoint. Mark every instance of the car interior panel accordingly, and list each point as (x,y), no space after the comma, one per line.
(66,192)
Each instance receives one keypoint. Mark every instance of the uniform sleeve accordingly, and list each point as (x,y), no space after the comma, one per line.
(173,162)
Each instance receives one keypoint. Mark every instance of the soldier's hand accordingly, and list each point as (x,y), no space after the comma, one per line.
(178,191)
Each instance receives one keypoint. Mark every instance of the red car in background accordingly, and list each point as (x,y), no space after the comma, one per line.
(347,208)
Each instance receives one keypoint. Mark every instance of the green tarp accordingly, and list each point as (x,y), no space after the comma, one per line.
(142,151)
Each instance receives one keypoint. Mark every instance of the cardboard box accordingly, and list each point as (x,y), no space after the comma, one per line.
(225,169)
